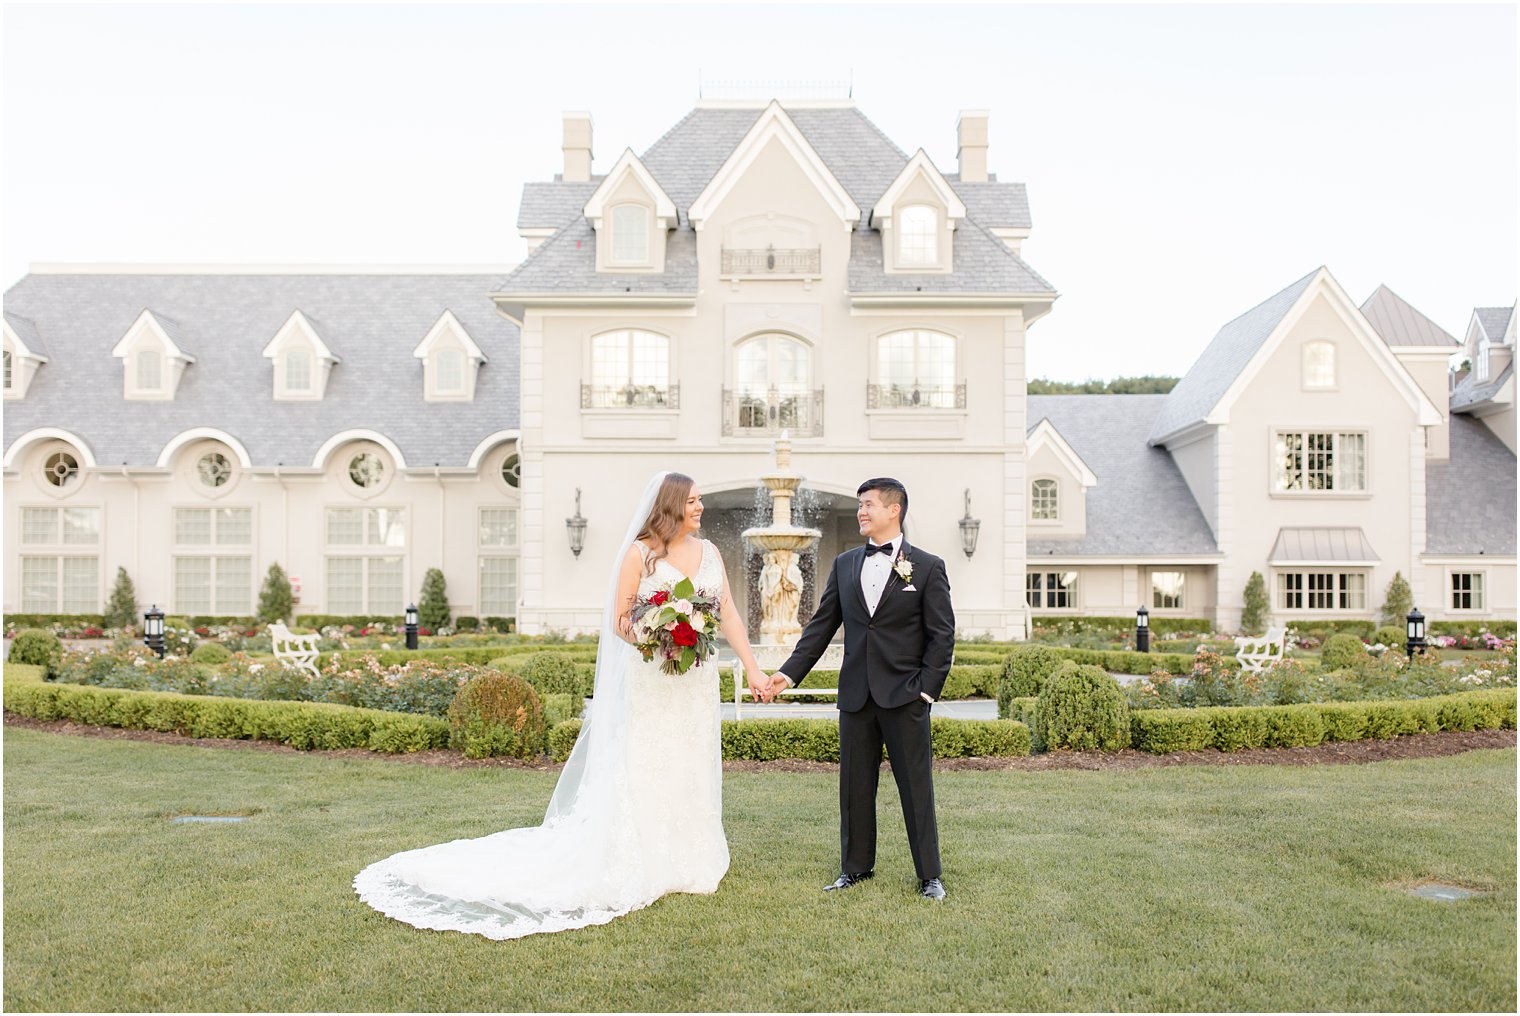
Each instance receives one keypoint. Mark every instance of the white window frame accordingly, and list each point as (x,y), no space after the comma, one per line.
(366,550)
(912,252)
(1311,583)
(439,377)
(1071,589)
(1477,594)
(289,358)
(879,361)
(1309,366)
(1158,596)
(629,375)
(59,605)
(493,552)
(1277,451)
(1480,363)
(215,550)
(619,217)
(1054,498)
(139,358)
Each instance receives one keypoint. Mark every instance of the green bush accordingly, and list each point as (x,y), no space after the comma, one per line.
(1321,628)
(211,652)
(1082,708)
(550,673)
(19,621)
(497,714)
(1254,617)
(478,655)
(1397,603)
(1024,673)
(304,725)
(1471,629)
(276,598)
(1391,635)
(121,608)
(1234,728)
(465,622)
(562,738)
(38,647)
(1118,627)
(1024,710)
(559,708)
(1342,651)
(433,608)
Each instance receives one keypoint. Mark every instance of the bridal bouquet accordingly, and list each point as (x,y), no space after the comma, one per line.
(677,625)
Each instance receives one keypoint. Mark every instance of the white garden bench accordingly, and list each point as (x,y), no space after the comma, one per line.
(741,689)
(296,651)
(1257,654)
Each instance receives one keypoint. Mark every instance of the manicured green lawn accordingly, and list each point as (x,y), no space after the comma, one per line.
(1183,888)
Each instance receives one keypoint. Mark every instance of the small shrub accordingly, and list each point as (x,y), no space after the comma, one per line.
(211,652)
(465,622)
(1024,673)
(1254,617)
(497,714)
(1390,635)
(39,648)
(1082,708)
(433,608)
(549,673)
(1343,651)
(121,609)
(562,737)
(276,599)
(1397,603)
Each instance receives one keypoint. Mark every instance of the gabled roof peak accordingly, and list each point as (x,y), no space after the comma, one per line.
(919,166)
(630,165)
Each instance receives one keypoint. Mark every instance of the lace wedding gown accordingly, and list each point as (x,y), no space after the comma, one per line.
(643,816)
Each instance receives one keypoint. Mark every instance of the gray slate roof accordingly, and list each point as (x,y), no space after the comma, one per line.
(1495,320)
(226,320)
(26,331)
(1470,499)
(1469,394)
(1223,359)
(1140,505)
(1399,324)
(861,157)
(549,205)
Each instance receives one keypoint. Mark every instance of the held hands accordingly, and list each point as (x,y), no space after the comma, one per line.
(775,685)
(765,689)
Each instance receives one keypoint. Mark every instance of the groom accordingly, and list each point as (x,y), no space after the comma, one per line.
(899,636)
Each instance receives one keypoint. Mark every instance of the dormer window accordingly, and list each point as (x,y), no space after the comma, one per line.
(1480,366)
(301,360)
(23,354)
(918,233)
(1319,365)
(153,357)
(1043,503)
(450,361)
(630,235)
(7,371)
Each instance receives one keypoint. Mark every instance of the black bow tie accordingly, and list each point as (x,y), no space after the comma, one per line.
(878,548)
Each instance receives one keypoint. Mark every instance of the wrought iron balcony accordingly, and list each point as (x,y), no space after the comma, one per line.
(762,261)
(751,412)
(630,397)
(916,396)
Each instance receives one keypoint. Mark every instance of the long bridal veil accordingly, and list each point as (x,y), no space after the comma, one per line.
(582,866)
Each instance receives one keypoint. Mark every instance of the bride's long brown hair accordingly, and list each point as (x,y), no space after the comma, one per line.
(666,516)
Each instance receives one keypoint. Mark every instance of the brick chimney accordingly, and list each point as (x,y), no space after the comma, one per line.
(971,144)
(577,147)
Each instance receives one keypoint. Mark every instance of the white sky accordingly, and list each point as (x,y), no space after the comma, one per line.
(1183,163)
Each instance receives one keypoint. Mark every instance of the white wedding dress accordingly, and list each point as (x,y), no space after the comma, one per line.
(637,813)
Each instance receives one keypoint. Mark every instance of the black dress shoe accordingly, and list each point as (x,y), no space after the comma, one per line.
(845,881)
(931,889)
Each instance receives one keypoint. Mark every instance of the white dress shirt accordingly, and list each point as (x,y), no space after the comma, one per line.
(875,572)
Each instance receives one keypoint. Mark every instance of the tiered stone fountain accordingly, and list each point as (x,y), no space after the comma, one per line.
(780,587)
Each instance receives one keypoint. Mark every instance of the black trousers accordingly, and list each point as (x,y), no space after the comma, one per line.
(905,732)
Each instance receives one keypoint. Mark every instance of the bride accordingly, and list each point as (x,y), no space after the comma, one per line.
(637,812)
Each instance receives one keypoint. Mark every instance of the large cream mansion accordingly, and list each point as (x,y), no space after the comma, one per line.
(758,269)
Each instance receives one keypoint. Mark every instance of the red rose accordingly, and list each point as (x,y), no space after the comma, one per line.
(684,635)
(659,598)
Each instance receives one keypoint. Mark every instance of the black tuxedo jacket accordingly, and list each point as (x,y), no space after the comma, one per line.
(892,656)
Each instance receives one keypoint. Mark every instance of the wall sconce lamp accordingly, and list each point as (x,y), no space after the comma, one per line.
(575,525)
(970,528)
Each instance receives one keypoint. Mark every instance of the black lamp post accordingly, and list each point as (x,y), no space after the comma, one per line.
(970,528)
(575,525)
(411,626)
(153,630)
(1143,630)
(1414,630)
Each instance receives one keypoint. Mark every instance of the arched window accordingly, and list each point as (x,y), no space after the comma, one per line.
(1043,502)
(918,228)
(449,367)
(773,385)
(150,370)
(630,234)
(629,369)
(916,369)
(298,370)
(1319,364)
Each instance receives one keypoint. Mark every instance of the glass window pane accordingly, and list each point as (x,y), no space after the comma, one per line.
(234,585)
(192,526)
(1044,500)
(752,366)
(385,585)
(1290,461)
(234,527)
(936,360)
(919,226)
(1166,590)
(1351,462)
(192,585)
(1032,588)
(345,585)
(385,528)
(449,370)
(498,527)
(81,526)
(1319,365)
(651,360)
(81,585)
(630,233)
(39,585)
(345,527)
(149,370)
(609,360)
(498,586)
(39,525)
(298,370)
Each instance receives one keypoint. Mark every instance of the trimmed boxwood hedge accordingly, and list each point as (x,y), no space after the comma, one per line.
(818,740)
(963,682)
(1231,728)
(461,654)
(304,725)
(1101,625)
(1502,629)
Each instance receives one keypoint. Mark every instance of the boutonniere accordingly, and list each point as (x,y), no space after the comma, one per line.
(904,569)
